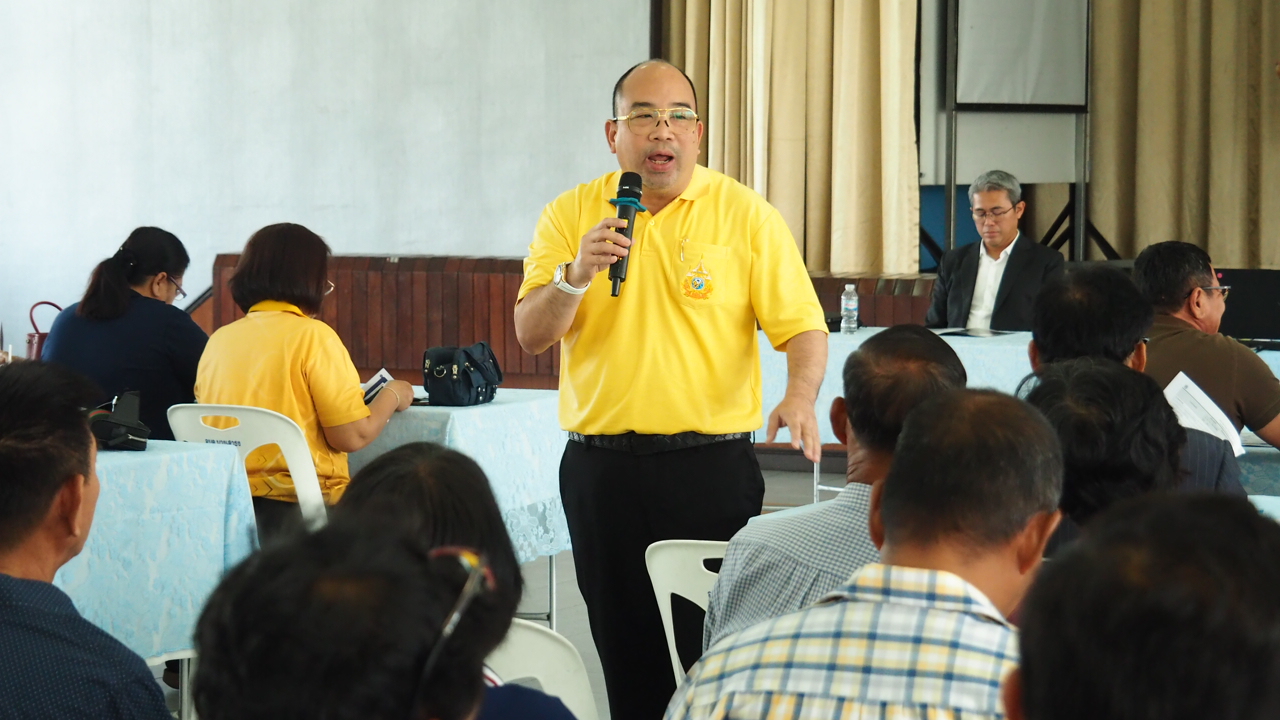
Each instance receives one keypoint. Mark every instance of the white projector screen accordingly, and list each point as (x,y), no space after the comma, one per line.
(1022,52)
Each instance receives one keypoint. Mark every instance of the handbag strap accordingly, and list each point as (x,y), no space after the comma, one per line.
(32,315)
(482,359)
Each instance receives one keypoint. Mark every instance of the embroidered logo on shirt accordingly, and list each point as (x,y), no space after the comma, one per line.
(698,284)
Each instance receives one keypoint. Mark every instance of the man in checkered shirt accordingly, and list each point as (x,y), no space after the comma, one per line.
(961,522)
(788,560)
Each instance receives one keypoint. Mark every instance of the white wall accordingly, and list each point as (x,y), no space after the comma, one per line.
(387,126)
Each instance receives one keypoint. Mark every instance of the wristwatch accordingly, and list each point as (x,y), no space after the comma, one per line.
(558,280)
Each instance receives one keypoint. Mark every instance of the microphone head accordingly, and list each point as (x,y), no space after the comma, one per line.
(629,185)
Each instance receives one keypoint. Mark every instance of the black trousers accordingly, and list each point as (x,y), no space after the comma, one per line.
(618,504)
(276,518)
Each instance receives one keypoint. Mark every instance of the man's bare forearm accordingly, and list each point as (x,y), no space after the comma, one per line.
(806,364)
(544,316)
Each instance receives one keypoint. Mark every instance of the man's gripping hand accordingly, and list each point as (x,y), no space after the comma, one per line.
(600,248)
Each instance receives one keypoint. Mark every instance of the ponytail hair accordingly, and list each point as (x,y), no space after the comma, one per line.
(147,252)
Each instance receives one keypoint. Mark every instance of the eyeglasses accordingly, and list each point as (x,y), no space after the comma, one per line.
(981,215)
(1224,288)
(682,121)
(479,579)
(330,287)
(182,294)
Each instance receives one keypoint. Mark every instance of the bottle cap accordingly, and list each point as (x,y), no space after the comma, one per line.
(850,287)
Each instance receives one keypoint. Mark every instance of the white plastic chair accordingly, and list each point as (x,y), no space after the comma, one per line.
(676,568)
(258,427)
(532,651)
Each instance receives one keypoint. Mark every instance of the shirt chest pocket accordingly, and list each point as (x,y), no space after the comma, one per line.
(706,276)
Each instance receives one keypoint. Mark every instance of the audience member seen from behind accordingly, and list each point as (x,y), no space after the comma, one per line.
(125,334)
(1168,608)
(348,623)
(1099,313)
(1120,438)
(280,357)
(1179,281)
(961,521)
(992,284)
(788,560)
(55,663)
(443,498)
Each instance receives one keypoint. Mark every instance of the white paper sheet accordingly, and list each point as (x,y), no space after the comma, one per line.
(1198,411)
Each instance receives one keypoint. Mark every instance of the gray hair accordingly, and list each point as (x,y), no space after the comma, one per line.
(993,180)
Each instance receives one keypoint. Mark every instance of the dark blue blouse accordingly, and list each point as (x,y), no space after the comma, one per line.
(153,348)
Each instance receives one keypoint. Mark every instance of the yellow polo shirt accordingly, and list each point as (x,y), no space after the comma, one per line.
(677,350)
(279,359)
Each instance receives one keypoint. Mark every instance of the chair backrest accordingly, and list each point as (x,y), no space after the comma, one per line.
(676,568)
(257,427)
(532,651)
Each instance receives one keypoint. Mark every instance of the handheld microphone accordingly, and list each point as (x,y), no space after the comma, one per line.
(628,203)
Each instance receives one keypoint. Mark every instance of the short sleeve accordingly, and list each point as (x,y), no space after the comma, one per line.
(333,380)
(782,294)
(1257,389)
(552,244)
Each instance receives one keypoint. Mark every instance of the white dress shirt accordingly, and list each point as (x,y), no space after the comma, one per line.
(990,271)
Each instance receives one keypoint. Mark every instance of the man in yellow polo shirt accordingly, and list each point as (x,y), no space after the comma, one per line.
(660,387)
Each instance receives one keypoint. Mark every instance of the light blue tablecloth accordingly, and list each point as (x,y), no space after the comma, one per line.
(170,522)
(997,362)
(517,441)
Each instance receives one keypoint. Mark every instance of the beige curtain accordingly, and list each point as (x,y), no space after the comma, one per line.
(1185,126)
(811,103)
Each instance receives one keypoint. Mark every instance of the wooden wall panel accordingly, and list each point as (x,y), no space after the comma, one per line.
(388,310)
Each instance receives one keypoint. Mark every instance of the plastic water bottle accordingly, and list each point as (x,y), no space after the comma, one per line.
(849,310)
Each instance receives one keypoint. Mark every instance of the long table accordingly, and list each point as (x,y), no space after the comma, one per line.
(170,522)
(516,440)
(997,362)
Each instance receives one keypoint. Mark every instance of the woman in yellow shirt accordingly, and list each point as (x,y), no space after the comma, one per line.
(280,357)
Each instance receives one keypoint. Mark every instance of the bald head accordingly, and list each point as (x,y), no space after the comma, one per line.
(644,68)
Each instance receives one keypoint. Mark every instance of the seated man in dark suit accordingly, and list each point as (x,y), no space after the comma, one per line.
(55,663)
(1099,313)
(992,284)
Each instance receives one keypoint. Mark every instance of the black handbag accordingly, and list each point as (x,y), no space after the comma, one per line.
(456,376)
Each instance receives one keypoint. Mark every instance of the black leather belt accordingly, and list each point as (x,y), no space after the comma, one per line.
(638,444)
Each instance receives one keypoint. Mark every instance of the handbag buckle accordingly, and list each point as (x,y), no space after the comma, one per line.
(439,371)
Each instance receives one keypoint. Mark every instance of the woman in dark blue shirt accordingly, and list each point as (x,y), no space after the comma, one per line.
(125,334)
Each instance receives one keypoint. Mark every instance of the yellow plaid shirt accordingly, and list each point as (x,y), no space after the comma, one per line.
(894,643)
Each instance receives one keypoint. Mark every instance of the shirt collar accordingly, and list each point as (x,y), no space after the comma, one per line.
(1173,323)
(277,306)
(34,593)
(1003,253)
(935,589)
(699,184)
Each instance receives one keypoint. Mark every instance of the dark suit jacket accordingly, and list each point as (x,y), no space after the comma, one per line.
(1030,266)
(1207,464)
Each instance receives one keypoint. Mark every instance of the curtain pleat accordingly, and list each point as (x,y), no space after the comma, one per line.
(811,102)
(1185,127)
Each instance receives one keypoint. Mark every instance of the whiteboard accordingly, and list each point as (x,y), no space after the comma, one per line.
(1022,52)
(388,127)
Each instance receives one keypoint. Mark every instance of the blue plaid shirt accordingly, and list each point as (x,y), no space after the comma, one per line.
(788,560)
(894,643)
